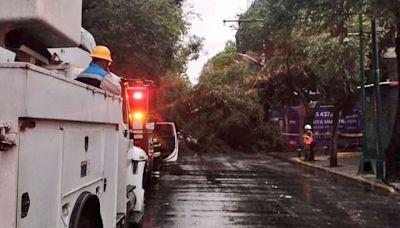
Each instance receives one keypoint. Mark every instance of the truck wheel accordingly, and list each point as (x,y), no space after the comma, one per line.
(86,213)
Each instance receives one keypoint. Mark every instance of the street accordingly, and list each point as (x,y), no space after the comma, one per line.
(244,190)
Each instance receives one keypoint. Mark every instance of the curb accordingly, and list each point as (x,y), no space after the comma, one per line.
(372,185)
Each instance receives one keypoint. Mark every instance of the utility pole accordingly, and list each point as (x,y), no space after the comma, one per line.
(375,63)
(371,162)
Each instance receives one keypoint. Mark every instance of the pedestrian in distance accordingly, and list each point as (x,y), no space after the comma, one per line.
(308,140)
(98,74)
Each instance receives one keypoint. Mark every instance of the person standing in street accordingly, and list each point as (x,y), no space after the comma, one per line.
(308,140)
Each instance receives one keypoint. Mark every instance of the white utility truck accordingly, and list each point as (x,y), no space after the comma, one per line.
(66,156)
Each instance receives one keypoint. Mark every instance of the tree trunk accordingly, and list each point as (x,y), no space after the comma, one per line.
(334,138)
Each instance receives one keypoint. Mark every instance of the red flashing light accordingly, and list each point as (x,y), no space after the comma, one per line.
(138,103)
(138,95)
(138,115)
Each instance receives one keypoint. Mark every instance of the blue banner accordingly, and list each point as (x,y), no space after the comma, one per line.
(349,127)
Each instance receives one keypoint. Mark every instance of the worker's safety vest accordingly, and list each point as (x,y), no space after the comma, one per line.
(308,139)
(97,77)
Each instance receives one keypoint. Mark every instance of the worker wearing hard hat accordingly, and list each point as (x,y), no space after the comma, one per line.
(308,140)
(98,73)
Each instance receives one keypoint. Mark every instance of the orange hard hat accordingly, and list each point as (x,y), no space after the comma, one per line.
(101,52)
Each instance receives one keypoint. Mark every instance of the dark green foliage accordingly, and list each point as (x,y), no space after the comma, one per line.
(143,35)
(174,99)
(225,115)
(226,112)
(300,43)
(303,43)
(308,59)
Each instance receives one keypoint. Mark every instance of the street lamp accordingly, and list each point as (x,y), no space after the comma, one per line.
(364,149)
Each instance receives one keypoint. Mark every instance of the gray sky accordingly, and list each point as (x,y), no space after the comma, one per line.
(211,27)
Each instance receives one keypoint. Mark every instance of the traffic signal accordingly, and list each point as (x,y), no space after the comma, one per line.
(138,103)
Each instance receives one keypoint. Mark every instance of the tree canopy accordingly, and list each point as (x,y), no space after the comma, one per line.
(145,36)
(306,57)
(226,112)
(288,53)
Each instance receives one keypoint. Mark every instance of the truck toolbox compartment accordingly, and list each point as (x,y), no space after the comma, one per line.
(67,143)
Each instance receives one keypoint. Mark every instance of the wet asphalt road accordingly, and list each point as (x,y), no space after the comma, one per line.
(209,190)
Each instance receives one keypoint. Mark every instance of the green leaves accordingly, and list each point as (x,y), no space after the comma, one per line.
(226,111)
(144,35)
(305,41)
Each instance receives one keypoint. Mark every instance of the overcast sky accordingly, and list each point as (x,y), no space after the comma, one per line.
(211,27)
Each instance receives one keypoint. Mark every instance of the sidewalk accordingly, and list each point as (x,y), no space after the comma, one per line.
(347,168)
